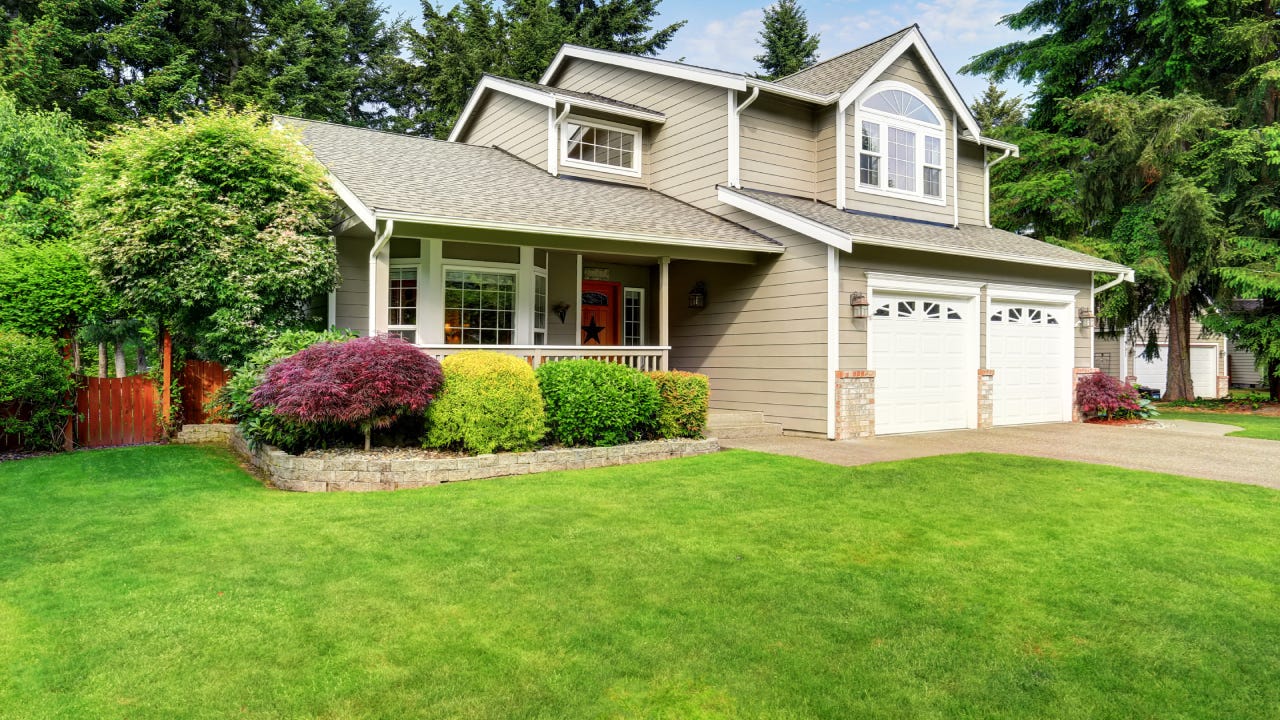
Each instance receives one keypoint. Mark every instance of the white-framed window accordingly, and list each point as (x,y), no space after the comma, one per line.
(598,145)
(633,316)
(479,306)
(402,301)
(539,307)
(902,146)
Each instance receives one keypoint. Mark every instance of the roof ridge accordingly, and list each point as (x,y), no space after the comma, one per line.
(391,133)
(833,58)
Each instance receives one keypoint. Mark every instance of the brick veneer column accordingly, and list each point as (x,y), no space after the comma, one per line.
(855,404)
(1076,374)
(1224,386)
(986,399)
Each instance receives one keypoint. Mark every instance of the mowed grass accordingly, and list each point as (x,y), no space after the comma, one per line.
(1263,427)
(163,582)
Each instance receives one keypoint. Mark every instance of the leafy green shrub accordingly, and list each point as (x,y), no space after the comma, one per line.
(590,402)
(261,425)
(685,397)
(490,402)
(35,390)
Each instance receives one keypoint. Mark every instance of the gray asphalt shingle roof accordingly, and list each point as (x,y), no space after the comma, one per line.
(842,71)
(397,173)
(970,240)
(574,94)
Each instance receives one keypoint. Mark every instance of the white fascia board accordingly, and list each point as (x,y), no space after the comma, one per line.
(579,232)
(997,144)
(1029,293)
(635,114)
(984,254)
(349,198)
(793,93)
(789,220)
(651,65)
(489,82)
(914,39)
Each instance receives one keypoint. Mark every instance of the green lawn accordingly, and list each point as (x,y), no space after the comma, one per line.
(162,582)
(1265,427)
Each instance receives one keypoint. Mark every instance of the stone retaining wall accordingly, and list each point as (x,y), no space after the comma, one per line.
(334,473)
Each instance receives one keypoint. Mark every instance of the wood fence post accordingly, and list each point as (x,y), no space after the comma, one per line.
(167,384)
(71,352)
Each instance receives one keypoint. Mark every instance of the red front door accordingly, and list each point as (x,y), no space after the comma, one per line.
(600,312)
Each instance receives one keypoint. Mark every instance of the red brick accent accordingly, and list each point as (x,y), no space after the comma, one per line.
(1076,415)
(855,374)
(986,373)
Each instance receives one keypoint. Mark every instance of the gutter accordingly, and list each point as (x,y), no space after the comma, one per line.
(379,242)
(986,179)
(1125,276)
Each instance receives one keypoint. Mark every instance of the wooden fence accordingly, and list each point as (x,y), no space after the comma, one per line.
(116,411)
(201,380)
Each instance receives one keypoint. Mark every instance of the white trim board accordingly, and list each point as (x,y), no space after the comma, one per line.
(789,220)
(707,76)
(361,211)
(833,336)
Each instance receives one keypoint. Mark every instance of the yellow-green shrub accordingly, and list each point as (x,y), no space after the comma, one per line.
(685,397)
(490,402)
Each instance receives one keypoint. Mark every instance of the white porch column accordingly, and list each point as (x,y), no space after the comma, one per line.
(577,304)
(524,298)
(431,292)
(664,308)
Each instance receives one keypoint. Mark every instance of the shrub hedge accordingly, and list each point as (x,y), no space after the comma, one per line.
(590,402)
(685,397)
(35,390)
(490,402)
(1108,397)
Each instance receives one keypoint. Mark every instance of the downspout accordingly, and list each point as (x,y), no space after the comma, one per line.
(755,93)
(379,242)
(735,135)
(986,183)
(1126,276)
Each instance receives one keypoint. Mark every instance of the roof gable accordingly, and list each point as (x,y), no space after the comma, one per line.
(547,96)
(836,74)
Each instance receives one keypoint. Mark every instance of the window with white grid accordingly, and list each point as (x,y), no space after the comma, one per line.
(633,316)
(539,308)
(479,307)
(402,303)
(902,147)
(599,145)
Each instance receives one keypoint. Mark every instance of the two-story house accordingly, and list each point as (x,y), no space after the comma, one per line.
(819,246)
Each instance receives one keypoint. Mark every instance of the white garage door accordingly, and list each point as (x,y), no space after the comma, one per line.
(1204,369)
(920,351)
(1029,348)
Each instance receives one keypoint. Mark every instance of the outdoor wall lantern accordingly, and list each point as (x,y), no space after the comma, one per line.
(1086,318)
(698,295)
(561,309)
(861,306)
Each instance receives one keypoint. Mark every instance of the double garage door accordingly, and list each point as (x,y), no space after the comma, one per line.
(925,350)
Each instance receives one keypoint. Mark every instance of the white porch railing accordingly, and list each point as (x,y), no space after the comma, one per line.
(645,358)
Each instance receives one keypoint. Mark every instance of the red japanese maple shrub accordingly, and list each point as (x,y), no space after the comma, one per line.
(366,382)
(1106,396)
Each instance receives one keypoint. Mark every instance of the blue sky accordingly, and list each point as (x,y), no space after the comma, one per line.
(722,33)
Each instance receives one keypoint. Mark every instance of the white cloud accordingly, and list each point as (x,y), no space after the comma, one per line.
(722,44)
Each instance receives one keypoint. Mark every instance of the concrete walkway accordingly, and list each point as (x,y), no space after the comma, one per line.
(1176,447)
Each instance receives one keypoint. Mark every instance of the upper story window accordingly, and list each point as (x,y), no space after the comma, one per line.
(598,145)
(901,144)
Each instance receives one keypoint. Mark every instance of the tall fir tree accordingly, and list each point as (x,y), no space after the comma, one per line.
(994,111)
(788,45)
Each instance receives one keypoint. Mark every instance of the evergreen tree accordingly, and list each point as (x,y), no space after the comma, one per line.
(993,111)
(517,40)
(788,46)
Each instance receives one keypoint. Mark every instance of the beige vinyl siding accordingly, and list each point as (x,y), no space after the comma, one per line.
(777,147)
(1244,371)
(353,293)
(762,337)
(972,181)
(908,69)
(562,286)
(1107,355)
(515,125)
(853,269)
(689,154)
(646,138)
(824,120)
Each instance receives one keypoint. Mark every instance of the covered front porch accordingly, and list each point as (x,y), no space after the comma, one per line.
(542,297)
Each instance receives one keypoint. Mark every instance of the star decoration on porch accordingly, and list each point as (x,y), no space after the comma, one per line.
(592,332)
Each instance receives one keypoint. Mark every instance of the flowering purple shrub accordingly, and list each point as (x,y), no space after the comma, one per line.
(1106,396)
(367,382)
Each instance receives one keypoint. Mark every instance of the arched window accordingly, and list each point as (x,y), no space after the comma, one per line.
(902,143)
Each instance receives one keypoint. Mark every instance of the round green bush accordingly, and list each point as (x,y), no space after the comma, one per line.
(685,399)
(490,402)
(35,390)
(590,402)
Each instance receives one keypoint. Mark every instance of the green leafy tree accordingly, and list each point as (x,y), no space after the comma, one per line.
(995,112)
(217,225)
(41,157)
(48,288)
(788,45)
(517,39)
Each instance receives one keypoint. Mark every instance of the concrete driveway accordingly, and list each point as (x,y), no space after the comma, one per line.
(1176,447)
